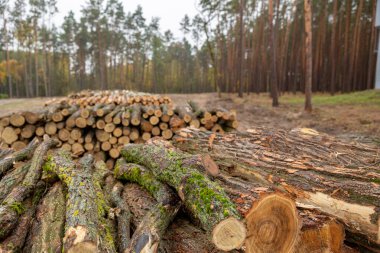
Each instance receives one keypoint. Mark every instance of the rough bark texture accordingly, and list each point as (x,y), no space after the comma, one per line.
(180,237)
(7,162)
(16,241)
(123,216)
(81,207)
(340,179)
(11,179)
(48,227)
(11,205)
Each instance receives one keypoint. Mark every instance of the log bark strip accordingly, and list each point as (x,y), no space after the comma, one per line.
(205,200)
(7,162)
(11,179)
(48,227)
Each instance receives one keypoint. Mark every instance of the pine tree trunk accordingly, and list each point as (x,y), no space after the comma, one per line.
(309,56)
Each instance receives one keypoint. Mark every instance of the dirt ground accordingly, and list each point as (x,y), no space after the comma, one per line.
(350,121)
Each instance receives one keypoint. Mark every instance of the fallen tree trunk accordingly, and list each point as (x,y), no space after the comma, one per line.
(201,198)
(336,178)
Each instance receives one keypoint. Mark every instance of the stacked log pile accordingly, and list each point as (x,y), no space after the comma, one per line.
(102,122)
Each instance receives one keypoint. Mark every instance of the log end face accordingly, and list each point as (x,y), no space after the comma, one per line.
(273,225)
(83,247)
(76,240)
(229,234)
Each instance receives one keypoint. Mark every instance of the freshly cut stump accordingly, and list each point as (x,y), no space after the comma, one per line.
(272,225)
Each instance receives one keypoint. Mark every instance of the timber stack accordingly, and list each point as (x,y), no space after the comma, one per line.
(194,194)
(101,122)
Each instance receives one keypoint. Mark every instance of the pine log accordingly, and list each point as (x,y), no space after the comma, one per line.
(10,207)
(180,237)
(7,162)
(48,227)
(217,214)
(17,120)
(185,113)
(5,152)
(15,242)
(81,226)
(136,115)
(9,135)
(11,179)
(28,131)
(123,216)
(302,162)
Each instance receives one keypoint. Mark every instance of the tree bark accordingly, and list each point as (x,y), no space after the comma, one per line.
(8,161)
(309,55)
(47,230)
(11,179)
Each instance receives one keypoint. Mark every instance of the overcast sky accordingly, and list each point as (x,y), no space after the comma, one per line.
(170,12)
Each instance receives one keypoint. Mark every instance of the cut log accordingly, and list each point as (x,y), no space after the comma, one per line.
(194,189)
(12,204)
(9,135)
(301,163)
(17,120)
(28,131)
(185,113)
(136,115)
(48,227)
(7,162)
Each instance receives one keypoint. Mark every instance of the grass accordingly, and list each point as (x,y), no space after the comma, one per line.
(368,97)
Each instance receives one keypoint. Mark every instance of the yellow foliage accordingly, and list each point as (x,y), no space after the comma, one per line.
(15,70)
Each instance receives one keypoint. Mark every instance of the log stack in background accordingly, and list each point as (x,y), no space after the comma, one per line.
(101,122)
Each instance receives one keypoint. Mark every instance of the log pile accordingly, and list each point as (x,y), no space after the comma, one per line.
(338,180)
(197,195)
(100,123)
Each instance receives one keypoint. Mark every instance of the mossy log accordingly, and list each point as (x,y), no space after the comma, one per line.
(81,209)
(12,178)
(10,206)
(15,242)
(204,199)
(47,230)
(340,179)
(180,237)
(5,152)
(149,232)
(7,162)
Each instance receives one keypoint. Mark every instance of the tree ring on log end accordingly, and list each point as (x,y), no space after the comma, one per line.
(272,225)
(229,234)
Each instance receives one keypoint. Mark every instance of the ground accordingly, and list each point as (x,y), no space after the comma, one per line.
(354,116)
